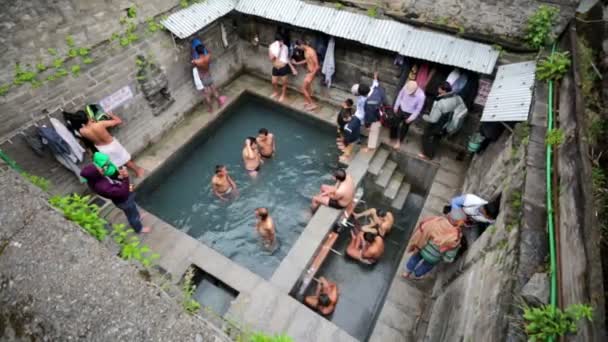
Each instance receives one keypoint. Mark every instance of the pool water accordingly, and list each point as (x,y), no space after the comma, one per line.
(180,191)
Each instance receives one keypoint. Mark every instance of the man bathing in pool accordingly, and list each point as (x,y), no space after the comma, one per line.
(266,143)
(222,184)
(365,247)
(265,227)
(381,221)
(337,196)
(251,157)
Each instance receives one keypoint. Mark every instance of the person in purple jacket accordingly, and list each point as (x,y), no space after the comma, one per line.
(117,189)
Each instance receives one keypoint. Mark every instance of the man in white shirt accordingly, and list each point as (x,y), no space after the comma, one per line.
(281,67)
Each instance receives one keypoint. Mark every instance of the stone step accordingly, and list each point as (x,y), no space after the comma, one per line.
(399,201)
(378,161)
(387,172)
(393,185)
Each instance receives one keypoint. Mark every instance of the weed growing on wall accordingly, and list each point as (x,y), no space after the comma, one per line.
(539,26)
(372,11)
(41,182)
(131,247)
(186,3)
(555,137)
(77,208)
(547,321)
(262,337)
(188,303)
(553,67)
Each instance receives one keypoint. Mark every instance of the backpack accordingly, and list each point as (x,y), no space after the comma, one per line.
(95,112)
(373,104)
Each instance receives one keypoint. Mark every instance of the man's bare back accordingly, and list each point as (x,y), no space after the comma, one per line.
(97,132)
(345,191)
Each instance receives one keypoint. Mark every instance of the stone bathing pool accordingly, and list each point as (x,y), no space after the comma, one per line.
(179,192)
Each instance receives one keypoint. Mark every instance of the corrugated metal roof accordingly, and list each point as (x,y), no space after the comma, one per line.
(511,94)
(380,33)
(192,19)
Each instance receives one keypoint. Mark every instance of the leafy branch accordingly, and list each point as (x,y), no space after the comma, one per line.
(77,208)
(539,26)
(188,303)
(554,66)
(548,321)
(131,247)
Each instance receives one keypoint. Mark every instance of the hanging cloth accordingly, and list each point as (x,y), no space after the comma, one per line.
(329,66)
(453,76)
(64,133)
(422,77)
(224,35)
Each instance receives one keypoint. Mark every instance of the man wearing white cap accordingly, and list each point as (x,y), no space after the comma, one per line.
(408,106)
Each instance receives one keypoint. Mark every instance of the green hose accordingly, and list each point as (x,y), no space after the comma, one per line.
(550,227)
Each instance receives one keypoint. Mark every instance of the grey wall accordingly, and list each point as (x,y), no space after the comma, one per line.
(114,67)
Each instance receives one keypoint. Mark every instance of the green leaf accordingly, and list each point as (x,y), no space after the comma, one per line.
(70,41)
(132,12)
(83,52)
(73,52)
(87,60)
(52,51)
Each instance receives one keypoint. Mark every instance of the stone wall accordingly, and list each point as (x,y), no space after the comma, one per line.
(487,19)
(58,283)
(113,68)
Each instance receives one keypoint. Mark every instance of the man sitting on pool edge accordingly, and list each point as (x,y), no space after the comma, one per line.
(251,157)
(266,143)
(265,227)
(365,247)
(337,196)
(222,184)
(325,298)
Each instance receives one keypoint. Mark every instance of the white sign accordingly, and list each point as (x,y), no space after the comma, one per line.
(116,99)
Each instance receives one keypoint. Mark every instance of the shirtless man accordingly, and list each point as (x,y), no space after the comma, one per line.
(202,65)
(265,227)
(325,298)
(382,221)
(337,196)
(222,184)
(278,53)
(251,157)
(97,133)
(312,65)
(365,247)
(265,142)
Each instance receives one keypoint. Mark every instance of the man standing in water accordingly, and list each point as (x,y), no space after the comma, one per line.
(312,64)
(202,65)
(278,53)
(337,196)
(325,298)
(97,133)
(222,184)
(251,157)
(265,227)
(265,142)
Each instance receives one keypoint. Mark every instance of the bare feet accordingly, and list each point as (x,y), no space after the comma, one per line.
(406,275)
(312,107)
(282,98)
(422,156)
(396,145)
(222,100)
(146,230)
(274,95)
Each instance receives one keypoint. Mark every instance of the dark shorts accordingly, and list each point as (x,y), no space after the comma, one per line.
(257,169)
(267,157)
(284,71)
(334,204)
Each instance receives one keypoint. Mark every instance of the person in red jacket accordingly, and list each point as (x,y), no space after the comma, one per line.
(118,190)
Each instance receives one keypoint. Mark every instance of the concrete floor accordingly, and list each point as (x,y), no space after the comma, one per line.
(266,305)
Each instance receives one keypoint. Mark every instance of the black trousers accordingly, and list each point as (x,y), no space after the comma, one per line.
(399,130)
(431,138)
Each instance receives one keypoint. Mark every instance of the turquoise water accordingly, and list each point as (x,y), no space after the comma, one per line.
(180,192)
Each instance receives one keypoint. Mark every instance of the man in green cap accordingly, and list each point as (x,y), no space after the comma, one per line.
(104,179)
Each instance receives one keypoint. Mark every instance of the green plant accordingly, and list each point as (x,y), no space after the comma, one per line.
(263,337)
(87,60)
(4,89)
(339,6)
(75,70)
(547,321)
(539,25)
(73,52)
(61,72)
(70,41)
(555,137)
(516,201)
(184,3)
(23,75)
(153,26)
(41,182)
(40,67)
(83,52)
(52,51)
(553,67)
(188,303)
(372,11)
(132,12)
(58,63)
(77,208)
(131,247)
(442,21)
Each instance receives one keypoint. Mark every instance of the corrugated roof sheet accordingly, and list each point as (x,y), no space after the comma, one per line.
(192,19)
(511,94)
(380,33)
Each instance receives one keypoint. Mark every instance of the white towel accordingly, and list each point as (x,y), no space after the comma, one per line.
(197,79)
(77,150)
(224,35)
(329,63)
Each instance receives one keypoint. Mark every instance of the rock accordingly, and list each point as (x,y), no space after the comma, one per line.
(536,290)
